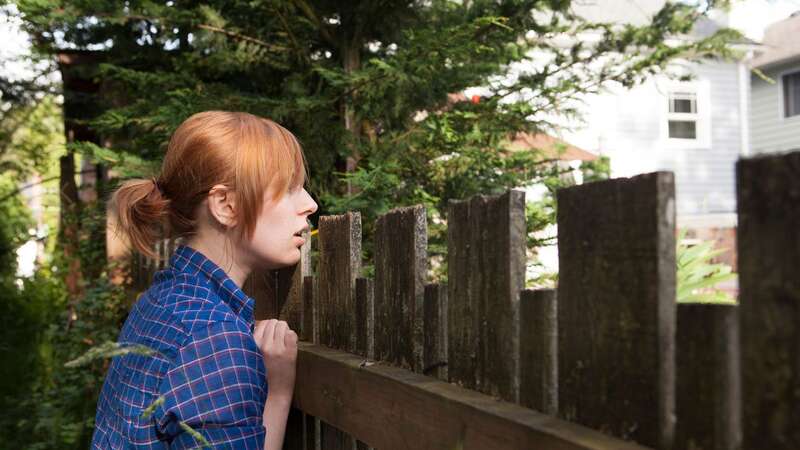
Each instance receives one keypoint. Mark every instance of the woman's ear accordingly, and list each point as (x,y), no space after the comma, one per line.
(222,205)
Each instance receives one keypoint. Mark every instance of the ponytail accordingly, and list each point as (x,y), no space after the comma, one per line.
(141,208)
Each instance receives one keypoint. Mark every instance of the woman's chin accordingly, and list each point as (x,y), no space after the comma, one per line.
(291,259)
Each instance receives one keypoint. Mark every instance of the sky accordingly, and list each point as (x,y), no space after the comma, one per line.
(752,16)
(13,43)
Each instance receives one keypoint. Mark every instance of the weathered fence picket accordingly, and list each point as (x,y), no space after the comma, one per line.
(435,331)
(310,332)
(768,194)
(401,261)
(538,353)
(339,266)
(365,317)
(616,307)
(365,325)
(708,402)
(486,272)
(395,363)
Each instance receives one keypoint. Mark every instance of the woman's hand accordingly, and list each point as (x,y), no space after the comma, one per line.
(278,344)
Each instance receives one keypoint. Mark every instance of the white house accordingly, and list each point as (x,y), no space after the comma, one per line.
(696,129)
(775,114)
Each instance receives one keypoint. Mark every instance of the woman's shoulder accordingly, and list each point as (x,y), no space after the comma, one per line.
(187,300)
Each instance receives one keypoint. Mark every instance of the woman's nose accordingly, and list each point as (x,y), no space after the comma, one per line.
(311,205)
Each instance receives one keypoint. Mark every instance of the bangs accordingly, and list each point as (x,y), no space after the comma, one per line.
(269,160)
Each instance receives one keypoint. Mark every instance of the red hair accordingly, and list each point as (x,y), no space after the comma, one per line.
(248,154)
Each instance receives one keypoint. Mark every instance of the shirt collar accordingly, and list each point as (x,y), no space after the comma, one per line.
(188,260)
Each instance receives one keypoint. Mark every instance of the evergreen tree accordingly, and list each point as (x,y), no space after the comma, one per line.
(364,84)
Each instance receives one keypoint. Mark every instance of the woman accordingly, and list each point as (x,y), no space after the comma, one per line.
(231,186)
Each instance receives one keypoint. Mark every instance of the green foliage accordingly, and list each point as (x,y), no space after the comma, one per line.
(29,136)
(59,413)
(597,170)
(362,80)
(26,352)
(124,163)
(698,275)
(108,349)
(14,226)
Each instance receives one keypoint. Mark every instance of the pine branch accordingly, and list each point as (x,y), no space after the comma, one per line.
(23,188)
(312,16)
(242,37)
(203,26)
(291,36)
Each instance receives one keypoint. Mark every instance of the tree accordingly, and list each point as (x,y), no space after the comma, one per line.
(364,84)
(31,135)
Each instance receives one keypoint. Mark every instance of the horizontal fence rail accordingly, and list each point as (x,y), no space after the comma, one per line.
(607,360)
(393,408)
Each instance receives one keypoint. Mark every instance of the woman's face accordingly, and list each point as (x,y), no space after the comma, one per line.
(275,242)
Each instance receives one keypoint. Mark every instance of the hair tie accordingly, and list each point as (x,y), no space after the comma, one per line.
(158,186)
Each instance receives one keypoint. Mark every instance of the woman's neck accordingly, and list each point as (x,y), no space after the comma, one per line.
(222,252)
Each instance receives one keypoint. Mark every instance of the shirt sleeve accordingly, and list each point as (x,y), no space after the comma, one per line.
(217,386)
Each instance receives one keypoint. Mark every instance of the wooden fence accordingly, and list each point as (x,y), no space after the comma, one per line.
(608,361)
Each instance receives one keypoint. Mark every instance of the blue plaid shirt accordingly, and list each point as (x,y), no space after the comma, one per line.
(208,368)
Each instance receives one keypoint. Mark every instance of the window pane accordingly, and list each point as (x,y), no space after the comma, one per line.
(682,102)
(683,129)
(791,94)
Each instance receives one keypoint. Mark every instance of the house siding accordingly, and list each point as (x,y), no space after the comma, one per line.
(771,131)
(630,128)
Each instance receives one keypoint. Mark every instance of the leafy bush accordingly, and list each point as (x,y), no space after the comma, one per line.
(698,275)
(59,413)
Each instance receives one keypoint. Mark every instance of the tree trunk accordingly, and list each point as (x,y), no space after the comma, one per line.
(351,55)
(69,228)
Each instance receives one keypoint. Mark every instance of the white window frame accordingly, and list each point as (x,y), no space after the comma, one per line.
(781,100)
(691,116)
(702,115)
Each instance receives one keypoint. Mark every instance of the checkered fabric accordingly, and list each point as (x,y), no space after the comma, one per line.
(207,374)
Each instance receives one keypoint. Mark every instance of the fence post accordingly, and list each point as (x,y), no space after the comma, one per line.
(538,354)
(401,251)
(708,402)
(768,191)
(616,307)
(486,271)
